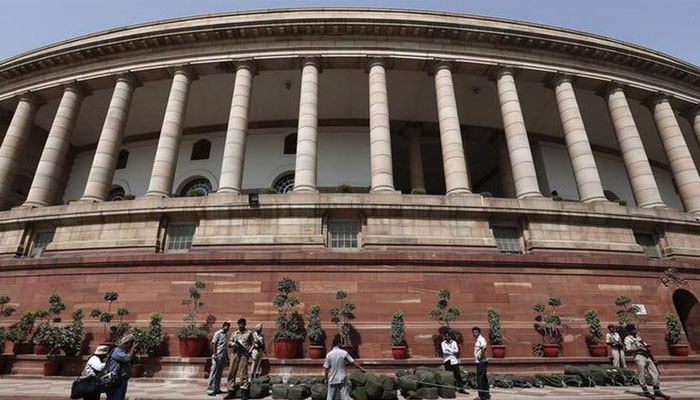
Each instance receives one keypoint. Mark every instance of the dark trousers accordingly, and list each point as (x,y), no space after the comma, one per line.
(455,372)
(482,381)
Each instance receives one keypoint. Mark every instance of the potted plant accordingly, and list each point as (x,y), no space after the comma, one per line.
(444,314)
(112,333)
(71,336)
(674,337)
(341,317)
(549,326)
(6,310)
(289,329)
(628,313)
(19,334)
(498,350)
(344,188)
(148,341)
(316,335)
(47,336)
(594,339)
(399,347)
(193,340)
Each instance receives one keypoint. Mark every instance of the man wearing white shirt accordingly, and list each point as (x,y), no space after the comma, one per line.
(482,381)
(334,374)
(450,352)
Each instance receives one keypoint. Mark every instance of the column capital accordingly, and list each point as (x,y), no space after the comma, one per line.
(610,87)
(78,88)
(381,61)
(31,97)
(184,69)
(557,78)
(437,65)
(502,69)
(656,98)
(129,78)
(312,60)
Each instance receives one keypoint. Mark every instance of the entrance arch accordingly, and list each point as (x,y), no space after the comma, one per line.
(688,310)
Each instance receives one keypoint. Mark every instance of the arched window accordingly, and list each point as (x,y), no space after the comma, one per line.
(196,188)
(122,159)
(290,144)
(117,194)
(284,184)
(610,195)
(201,150)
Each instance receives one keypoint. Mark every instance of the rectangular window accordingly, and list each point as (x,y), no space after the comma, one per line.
(507,240)
(179,237)
(648,243)
(41,240)
(342,234)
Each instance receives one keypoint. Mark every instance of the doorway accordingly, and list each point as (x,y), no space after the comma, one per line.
(688,310)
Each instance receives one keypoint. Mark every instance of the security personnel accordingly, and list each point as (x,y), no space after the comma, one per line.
(258,349)
(645,362)
(614,342)
(241,344)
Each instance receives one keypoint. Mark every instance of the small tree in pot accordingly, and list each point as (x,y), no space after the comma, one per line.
(549,326)
(317,337)
(47,336)
(112,333)
(399,349)
(148,341)
(674,337)
(594,338)
(6,310)
(445,314)
(72,335)
(341,317)
(193,340)
(289,328)
(498,350)
(19,334)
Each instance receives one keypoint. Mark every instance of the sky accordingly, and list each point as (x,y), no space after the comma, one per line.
(669,26)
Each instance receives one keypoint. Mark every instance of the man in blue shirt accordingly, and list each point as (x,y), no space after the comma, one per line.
(120,363)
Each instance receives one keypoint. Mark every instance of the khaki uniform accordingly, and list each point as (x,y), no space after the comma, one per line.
(239,361)
(257,353)
(645,366)
(617,351)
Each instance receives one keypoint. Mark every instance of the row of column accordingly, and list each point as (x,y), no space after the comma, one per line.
(45,184)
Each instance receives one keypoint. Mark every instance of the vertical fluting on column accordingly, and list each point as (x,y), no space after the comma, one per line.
(382,173)
(506,173)
(415,158)
(453,158)
(685,172)
(237,131)
(165,162)
(15,143)
(519,153)
(50,169)
(105,161)
(305,173)
(586,173)
(646,192)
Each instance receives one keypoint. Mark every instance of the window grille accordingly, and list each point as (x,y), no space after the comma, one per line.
(179,237)
(284,184)
(196,188)
(647,241)
(290,144)
(122,159)
(41,241)
(342,234)
(117,194)
(201,150)
(507,240)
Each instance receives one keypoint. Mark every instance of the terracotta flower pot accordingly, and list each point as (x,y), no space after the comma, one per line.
(286,348)
(680,350)
(42,349)
(598,350)
(551,350)
(399,352)
(136,370)
(316,352)
(498,351)
(193,346)
(23,348)
(51,368)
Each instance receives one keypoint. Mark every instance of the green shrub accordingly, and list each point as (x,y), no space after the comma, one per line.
(344,189)
(342,315)
(495,330)
(20,331)
(267,191)
(112,332)
(6,310)
(595,332)
(673,330)
(149,340)
(418,191)
(445,314)
(398,330)
(129,197)
(549,325)
(316,334)
(288,324)
(72,335)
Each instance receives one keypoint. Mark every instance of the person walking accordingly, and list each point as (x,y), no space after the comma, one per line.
(219,358)
(635,345)
(258,349)
(242,343)
(334,374)
(94,366)
(482,363)
(119,362)
(450,352)
(616,347)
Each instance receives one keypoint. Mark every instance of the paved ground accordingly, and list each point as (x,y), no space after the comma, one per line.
(53,389)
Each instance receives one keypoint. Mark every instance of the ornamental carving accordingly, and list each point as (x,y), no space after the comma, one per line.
(672,278)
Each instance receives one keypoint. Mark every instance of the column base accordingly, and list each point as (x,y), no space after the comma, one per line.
(595,200)
(384,190)
(458,191)
(530,195)
(305,189)
(90,199)
(229,191)
(653,205)
(156,194)
(31,204)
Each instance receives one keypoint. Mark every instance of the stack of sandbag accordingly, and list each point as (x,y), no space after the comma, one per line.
(370,386)
(259,387)
(500,381)
(426,383)
(518,381)
(298,388)
(560,380)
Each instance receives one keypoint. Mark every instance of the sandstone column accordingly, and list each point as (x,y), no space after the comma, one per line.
(382,173)
(519,153)
(506,173)
(102,170)
(453,158)
(234,148)
(646,192)
(684,171)
(305,179)
(585,170)
(693,116)
(415,158)
(15,142)
(50,169)
(165,163)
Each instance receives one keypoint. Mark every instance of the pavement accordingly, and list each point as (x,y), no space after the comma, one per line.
(26,388)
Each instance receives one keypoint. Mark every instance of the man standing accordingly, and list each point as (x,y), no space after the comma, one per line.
(616,347)
(450,352)
(241,342)
(258,349)
(334,370)
(219,358)
(119,362)
(482,381)
(645,362)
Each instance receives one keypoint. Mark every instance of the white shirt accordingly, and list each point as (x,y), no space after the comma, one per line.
(219,341)
(480,349)
(612,337)
(450,351)
(93,366)
(634,343)
(335,363)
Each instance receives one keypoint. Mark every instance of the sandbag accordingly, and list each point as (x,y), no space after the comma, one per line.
(388,382)
(279,391)
(551,380)
(390,395)
(373,387)
(357,379)
(425,376)
(411,395)
(294,380)
(258,390)
(298,392)
(311,380)
(501,382)
(408,383)
(359,393)
(582,372)
(319,391)
(275,380)
(403,371)
(447,392)
(520,381)
(261,379)
(428,393)
(445,378)
(572,380)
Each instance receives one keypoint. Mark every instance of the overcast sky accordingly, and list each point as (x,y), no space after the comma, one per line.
(670,26)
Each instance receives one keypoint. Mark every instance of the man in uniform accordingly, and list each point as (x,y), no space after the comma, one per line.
(645,362)
(258,349)
(241,344)
(219,358)
(616,347)
(334,370)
